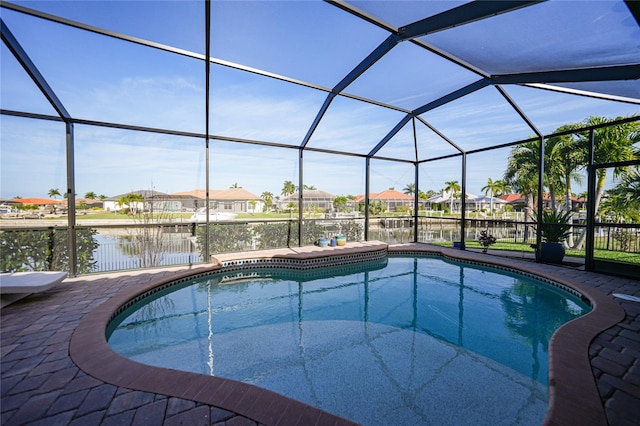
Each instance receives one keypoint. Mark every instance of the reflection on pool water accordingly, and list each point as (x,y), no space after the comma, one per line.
(408,340)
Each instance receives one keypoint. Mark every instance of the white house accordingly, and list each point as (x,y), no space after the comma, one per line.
(233,200)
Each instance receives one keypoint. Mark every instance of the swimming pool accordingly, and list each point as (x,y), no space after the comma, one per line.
(406,340)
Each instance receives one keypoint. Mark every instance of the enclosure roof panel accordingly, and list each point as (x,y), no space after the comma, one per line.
(551,35)
(410,76)
(185,18)
(351,77)
(307,40)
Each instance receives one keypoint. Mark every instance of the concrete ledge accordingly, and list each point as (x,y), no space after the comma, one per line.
(15,286)
(307,252)
(304,258)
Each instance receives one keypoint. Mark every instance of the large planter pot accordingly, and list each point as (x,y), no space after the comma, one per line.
(341,240)
(552,252)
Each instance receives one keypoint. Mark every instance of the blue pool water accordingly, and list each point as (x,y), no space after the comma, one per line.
(407,340)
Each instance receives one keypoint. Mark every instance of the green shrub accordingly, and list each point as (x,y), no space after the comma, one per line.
(486,240)
(46,250)
(623,238)
(274,235)
(311,231)
(224,238)
(352,230)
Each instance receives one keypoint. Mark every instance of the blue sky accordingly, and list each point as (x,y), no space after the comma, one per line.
(99,78)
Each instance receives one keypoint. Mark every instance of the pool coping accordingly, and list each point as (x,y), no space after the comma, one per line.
(573,393)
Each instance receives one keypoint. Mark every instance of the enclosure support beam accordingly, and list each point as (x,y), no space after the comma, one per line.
(591,204)
(207,78)
(27,64)
(518,110)
(316,121)
(480,84)
(540,201)
(300,195)
(416,199)
(19,53)
(439,133)
(612,73)
(391,134)
(463,14)
(463,202)
(367,188)
(71,201)
(416,192)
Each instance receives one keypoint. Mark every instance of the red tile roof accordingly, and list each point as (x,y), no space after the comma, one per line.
(38,201)
(389,194)
(509,198)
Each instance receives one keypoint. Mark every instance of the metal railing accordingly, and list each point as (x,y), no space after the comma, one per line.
(622,237)
(103,248)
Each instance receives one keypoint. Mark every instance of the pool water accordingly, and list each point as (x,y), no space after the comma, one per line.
(407,340)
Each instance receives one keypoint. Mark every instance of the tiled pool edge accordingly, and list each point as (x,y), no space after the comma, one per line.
(573,393)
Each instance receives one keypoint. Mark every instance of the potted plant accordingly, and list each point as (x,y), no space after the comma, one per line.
(555,227)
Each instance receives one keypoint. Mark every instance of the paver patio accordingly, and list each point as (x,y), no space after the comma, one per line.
(41,384)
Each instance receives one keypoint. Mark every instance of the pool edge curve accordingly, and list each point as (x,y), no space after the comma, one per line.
(573,393)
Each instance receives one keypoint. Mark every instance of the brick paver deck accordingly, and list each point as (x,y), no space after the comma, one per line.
(42,385)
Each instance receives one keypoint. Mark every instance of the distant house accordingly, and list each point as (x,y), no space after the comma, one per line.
(390,197)
(42,203)
(111,204)
(472,202)
(518,201)
(233,200)
(311,198)
(90,203)
(171,203)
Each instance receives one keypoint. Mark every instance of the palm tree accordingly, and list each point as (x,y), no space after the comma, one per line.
(491,188)
(54,192)
(235,186)
(288,188)
(291,206)
(614,143)
(522,175)
(454,187)
(562,158)
(410,189)
(570,157)
(268,199)
(131,201)
(340,202)
(501,188)
(624,199)
(629,186)
(611,144)
(90,195)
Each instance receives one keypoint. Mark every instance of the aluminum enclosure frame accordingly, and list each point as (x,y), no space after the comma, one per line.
(460,15)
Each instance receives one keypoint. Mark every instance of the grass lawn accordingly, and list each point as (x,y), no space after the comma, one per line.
(186,216)
(117,216)
(608,255)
